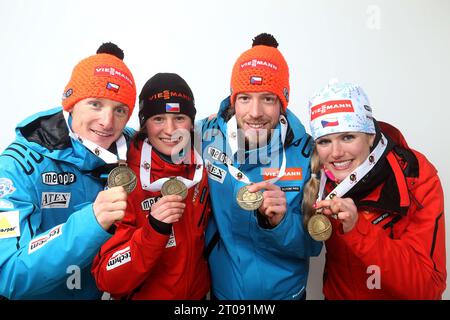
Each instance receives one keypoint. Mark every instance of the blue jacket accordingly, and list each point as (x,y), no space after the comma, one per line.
(48,232)
(251,261)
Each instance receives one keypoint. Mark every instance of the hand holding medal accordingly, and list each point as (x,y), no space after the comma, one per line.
(342,209)
(272,202)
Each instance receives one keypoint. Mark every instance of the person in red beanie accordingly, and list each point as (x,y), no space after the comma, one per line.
(384,202)
(257,156)
(157,249)
(54,215)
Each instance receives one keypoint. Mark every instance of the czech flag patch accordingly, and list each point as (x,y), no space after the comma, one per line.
(173,107)
(330,123)
(112,86)
(256,80)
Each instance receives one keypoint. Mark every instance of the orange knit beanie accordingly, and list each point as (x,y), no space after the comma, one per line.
(261,68)
(103,75)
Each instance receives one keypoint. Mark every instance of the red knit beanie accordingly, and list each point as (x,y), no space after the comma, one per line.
(103,75)
(262,68)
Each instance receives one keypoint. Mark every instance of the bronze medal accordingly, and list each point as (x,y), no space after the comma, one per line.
(319,227)
(122,176)
(174,186)
(249,200)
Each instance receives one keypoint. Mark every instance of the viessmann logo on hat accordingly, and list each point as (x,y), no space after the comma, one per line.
(108,71)
(254,63)
(329,107)
(167,94)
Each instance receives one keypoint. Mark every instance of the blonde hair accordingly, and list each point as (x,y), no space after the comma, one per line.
(311,189)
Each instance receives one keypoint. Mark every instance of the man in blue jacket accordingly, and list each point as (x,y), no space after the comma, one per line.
(257,155)
(54,215)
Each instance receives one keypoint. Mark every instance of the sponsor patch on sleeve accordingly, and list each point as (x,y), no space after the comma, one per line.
(6,187)
(9,224)
(119,258)
(41,240)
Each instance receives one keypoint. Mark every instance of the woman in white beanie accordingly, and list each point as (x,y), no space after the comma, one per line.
(378,204)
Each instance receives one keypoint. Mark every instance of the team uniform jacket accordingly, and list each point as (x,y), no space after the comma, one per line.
(139,262)
(397,248)
(252,260)
(48,232)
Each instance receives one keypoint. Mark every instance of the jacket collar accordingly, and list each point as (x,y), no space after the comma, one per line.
(296,130)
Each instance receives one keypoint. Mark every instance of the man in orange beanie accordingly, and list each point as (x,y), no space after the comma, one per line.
(257,152)
(54,215)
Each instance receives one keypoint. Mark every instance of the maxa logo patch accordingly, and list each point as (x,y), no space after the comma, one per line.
(9,224)
(119,258)
(147,203)
(112,86)
(289,174)
(55,200)
(58,178)
(173,107)
(256,80)
(328,107)
(41,241)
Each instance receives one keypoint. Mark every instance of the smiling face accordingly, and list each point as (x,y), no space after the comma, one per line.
(257,113)
(342,153)
(169,133)
(99,120)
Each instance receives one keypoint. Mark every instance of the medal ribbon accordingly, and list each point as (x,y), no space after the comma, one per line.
(348,183)
(232,139)
(100,152)
(146,167)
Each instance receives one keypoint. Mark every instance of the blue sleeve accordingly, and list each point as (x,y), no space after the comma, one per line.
(32,263)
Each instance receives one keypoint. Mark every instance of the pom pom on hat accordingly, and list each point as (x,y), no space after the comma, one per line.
(265,39)
(111,48)
(340,107)
(103,75)
(261,68)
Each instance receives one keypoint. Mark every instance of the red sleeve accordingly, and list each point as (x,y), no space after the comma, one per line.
(127,258)
(414,265)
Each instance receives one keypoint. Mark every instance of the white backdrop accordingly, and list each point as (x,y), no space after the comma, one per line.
(398,50)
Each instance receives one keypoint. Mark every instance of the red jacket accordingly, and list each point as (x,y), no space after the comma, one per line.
(140,263)
(390,254)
